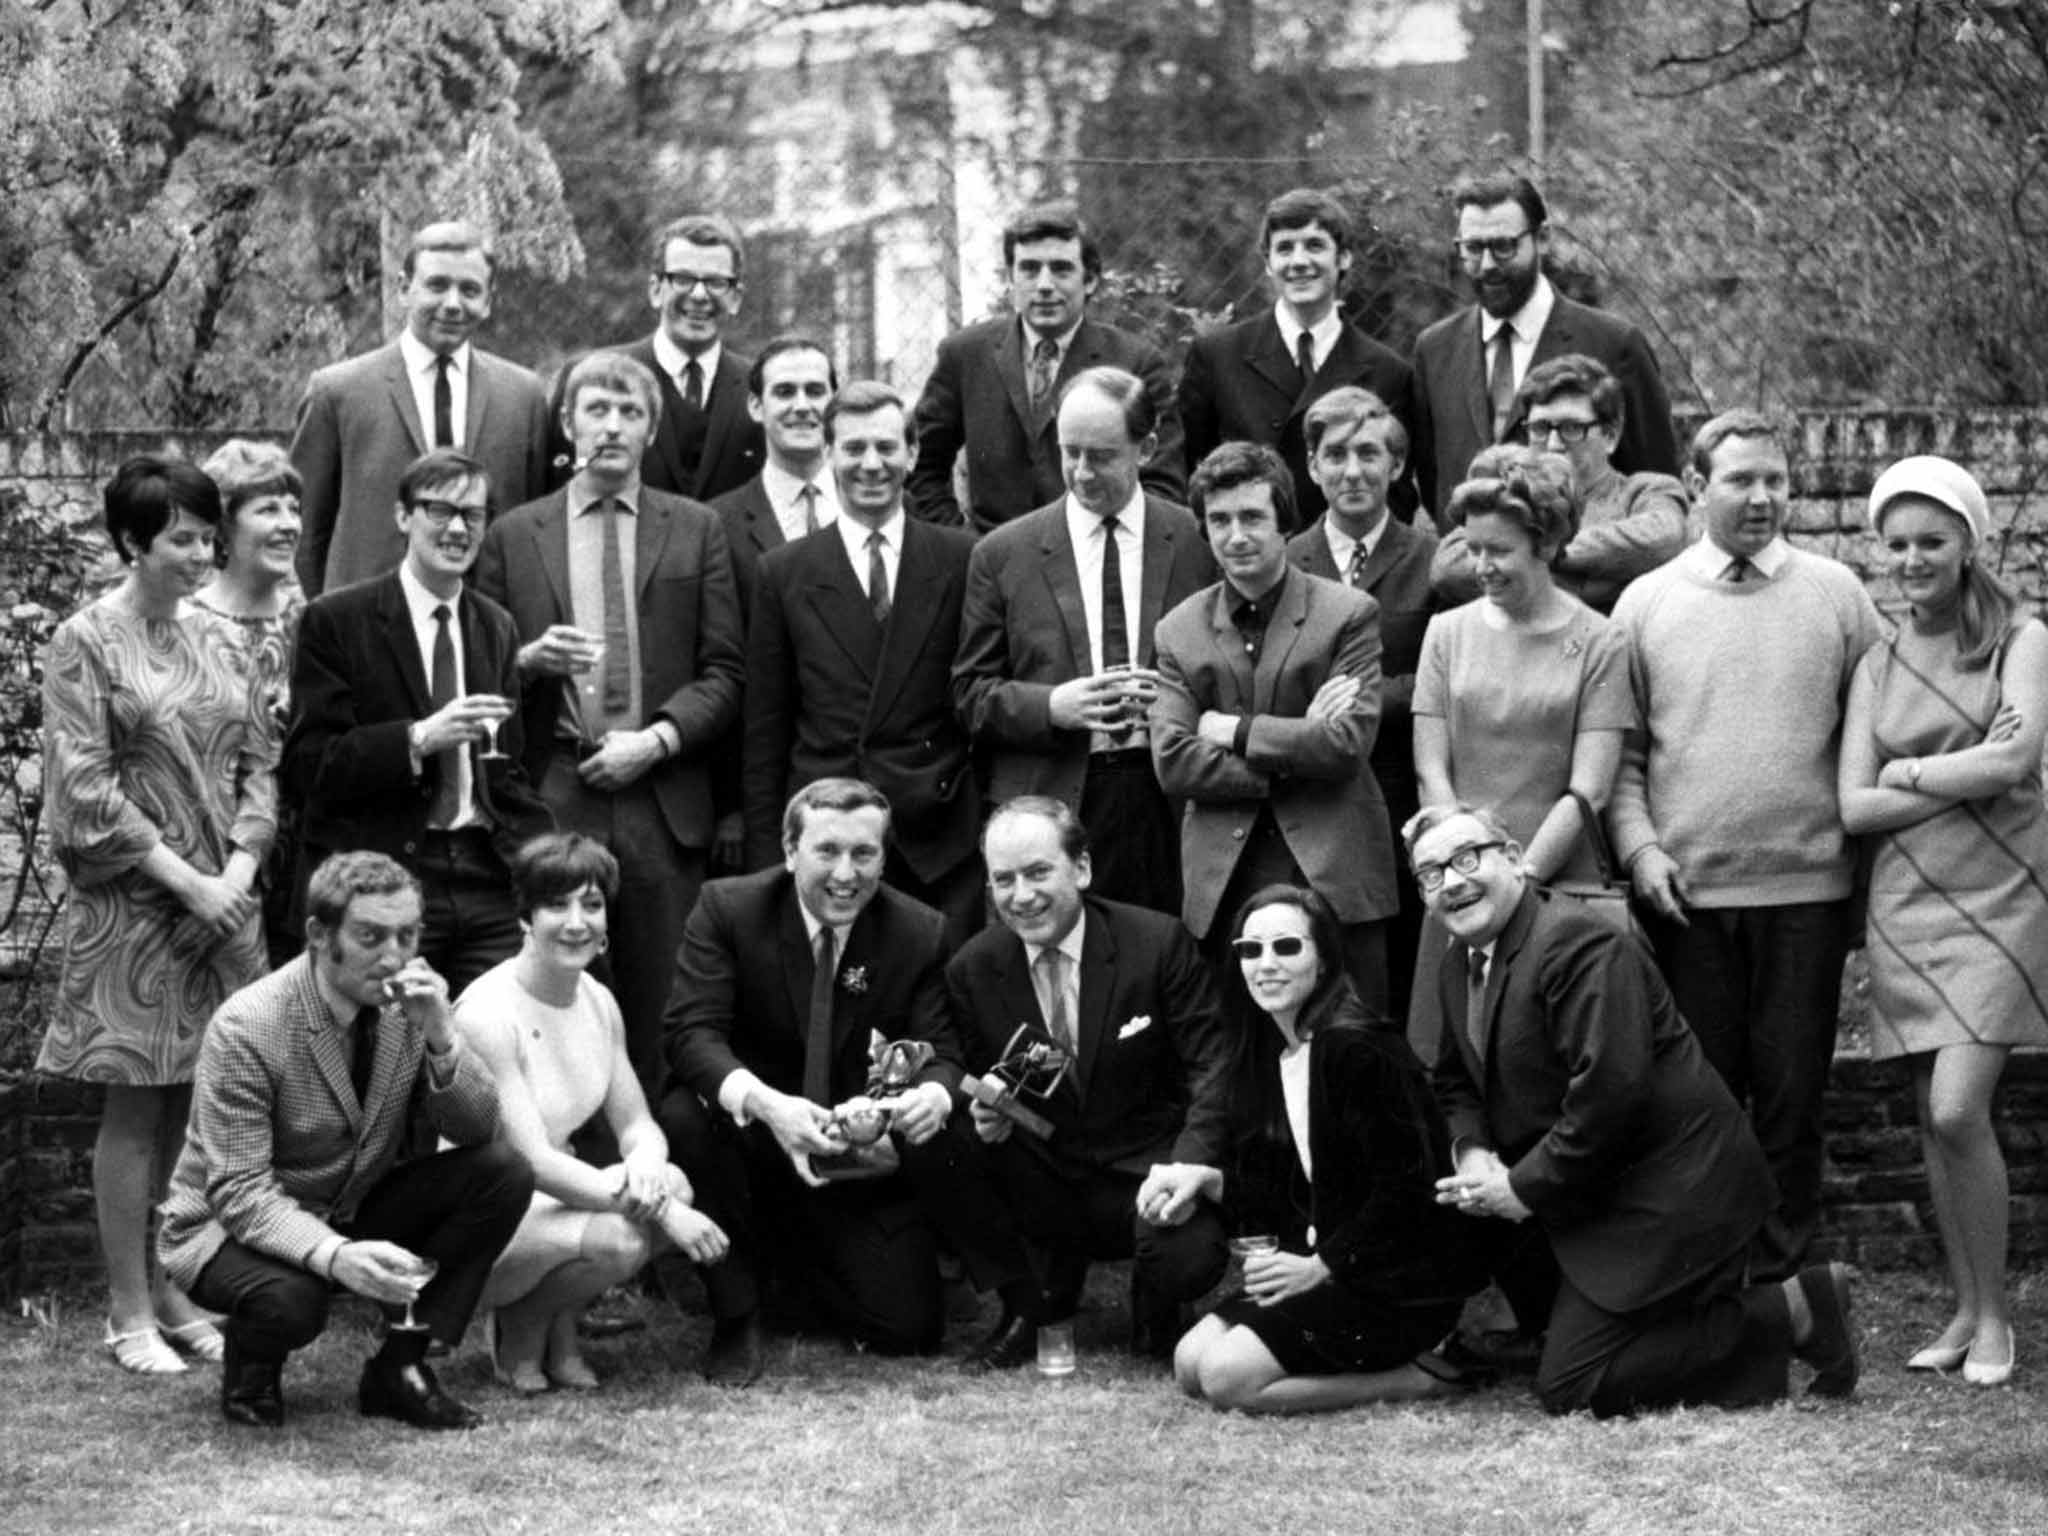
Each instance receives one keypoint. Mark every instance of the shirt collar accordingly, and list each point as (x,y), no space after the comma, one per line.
(420,601)
(1070,946)
(855,533)
(1081,523)
(1708,559)
(1031,338)
(1263,607)
(674,359)
(1529,320)
(419,357)
(1324,332)
(782,487)
(1341,543)
(584,497)
(812,924)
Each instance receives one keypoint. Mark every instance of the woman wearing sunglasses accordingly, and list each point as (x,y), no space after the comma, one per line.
(1339,1146)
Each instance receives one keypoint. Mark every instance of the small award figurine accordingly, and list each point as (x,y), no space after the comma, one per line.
(1032,1066)
(862,1122)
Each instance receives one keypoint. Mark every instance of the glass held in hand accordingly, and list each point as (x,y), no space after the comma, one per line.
(423,1271)
(1253,1244)
(490,753)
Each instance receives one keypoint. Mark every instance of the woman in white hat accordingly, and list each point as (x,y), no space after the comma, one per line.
(1941,768)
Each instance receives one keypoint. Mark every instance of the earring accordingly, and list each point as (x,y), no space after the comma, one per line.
(604,943)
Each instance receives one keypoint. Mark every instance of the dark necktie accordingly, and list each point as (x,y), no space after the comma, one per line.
(1500,384)
(808,496)
(1052,970)
(364,1056)
(1305,360)
(444,404)
(618,678)
(878,580)
(1354,573)
(818,1038)
(1737,571)
(1045,367)
(447,801)
(1475,1002)
(1116,634)
(693,385)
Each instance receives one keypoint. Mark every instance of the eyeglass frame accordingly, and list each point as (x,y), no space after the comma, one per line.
(716,284)
(1286,945)
(1502,248)
(1465,861)
(441,513)
(1570,433)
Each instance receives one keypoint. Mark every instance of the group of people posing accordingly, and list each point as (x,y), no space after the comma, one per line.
(479,888)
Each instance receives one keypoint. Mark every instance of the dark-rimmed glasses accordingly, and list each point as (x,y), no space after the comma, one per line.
(1571,433)
(714,284)
(442,513)
(1501,248)
(1465,861)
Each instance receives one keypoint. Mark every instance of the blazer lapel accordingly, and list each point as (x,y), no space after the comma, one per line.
(841,607)
(1272,359)
(762,527)
(799,964)
(1236,666)
(667,447)
(727,410)
(400,388)
(405,647)
(330,1055)
(478,407)
(1010,369)
(1161,533)
(651,527)
(1282,630)
(914,607)
(1393,544)
(1505,949)
(550,534)
(1310,551)
(1063,580)
(1470,356)
(1098,981)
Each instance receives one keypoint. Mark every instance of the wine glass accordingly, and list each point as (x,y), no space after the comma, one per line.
(424,1268)
(490,753)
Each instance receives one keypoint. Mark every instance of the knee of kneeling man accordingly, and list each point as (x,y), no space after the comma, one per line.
(616,1243)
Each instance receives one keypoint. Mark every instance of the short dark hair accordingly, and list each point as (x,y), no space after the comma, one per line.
(342,877)
(1334,984)
(1301,207)
(145,497)
(1489,189)
(1073,836)
(1529,487)
(439,467)
(1051,221)
(1574,374)
(455,235)
(789,341)
(830,795)
(557,864)
(860,398)
(1740,422)
(1123,388)
(1241,463)
(617,371)
(1349,408)
(699,229)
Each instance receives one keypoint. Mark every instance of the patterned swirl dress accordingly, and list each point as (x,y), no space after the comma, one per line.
(1958,903)
(151,733)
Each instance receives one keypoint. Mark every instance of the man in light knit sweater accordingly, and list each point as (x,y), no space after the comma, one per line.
(1741,651)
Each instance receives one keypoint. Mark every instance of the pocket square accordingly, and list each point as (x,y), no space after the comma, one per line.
(1136,1025)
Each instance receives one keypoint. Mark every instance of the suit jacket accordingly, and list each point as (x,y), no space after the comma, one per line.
(1619,1136)
(742,995)
(978,398)
(1242,383)
(1024,631)
(1315,775)
(358,684)
(1451,399)
(830,694)
(1397,578)
(358,430)
(691,642)
(751,530)
(278,1151)
(732,445)
(1151,1081)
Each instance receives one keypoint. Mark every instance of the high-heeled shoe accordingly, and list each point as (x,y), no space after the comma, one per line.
(1987,1373)
(198,1338)
(1938,1357)
(143,1352)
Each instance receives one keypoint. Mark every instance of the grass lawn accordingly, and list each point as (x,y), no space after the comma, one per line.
(831,1442)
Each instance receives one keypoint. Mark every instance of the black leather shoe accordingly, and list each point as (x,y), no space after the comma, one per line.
(734,1357)
(251,1391)
(1011,1343)
(410,1394)
(1830,1347)
(1156,1321)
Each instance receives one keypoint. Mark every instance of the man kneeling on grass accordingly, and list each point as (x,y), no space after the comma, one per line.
(290,1183)
(1576,1095)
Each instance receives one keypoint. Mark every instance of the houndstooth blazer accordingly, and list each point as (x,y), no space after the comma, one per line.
(278,1153)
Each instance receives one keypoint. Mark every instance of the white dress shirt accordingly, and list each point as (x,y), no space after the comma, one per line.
(854,534)
(419,372)
(1087,531)
(1322,335)
(420,604)
(1528,322)
(1070,978)
(674,360)
(1342,544)
(785,498)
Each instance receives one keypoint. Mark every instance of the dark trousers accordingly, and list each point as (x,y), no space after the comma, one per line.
(959,895)
(1267,860)
(469,923)
(1133,844)
(1404,928)
(658,884)
(458,1208)
(1761,988)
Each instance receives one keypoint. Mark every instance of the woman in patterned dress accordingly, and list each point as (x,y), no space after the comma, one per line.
(257,590)
(1941,765)
(157,775)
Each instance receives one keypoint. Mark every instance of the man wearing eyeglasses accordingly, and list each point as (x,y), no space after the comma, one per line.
(396,685)
(1579,1102)
(1628,524)
(1469,365)
(706,443)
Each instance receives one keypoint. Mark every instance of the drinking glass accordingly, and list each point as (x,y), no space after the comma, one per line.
(425,1269)
(1056,1349)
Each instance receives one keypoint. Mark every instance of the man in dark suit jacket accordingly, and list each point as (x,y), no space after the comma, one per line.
(1576,1095)
(782,979)
(381,753)
(1141,1122)
(1356,448)
(995,384)
(849,656)
(706,443)
(1469,365)
(622,750)
(1246,382)
(1269,700)
(361,422)
(1051,689)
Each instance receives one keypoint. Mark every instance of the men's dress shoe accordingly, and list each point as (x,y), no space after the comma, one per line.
(251,1391)
(734,1356)
(1011,1343)
(410,1394)
(1156,1321)
(1505,1351)
(1831,1346)
(1991,1373)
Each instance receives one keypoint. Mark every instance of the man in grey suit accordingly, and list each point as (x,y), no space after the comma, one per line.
(361,422)
(1469,365)
(1054,673)
(1269,700)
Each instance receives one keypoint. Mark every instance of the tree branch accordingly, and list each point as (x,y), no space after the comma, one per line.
(82,354)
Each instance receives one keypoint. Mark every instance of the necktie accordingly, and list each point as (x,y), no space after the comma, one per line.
(364,1056)
(447,801)
(1354,573)
(1475,1002)
(693,385)
(878,579)
(1045,365)
(1052,973)
(1500,384)
(1305,359)
(1116,632)
(618,678)
(818,1039)
(444,404)
(1737,571)
(808,497)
